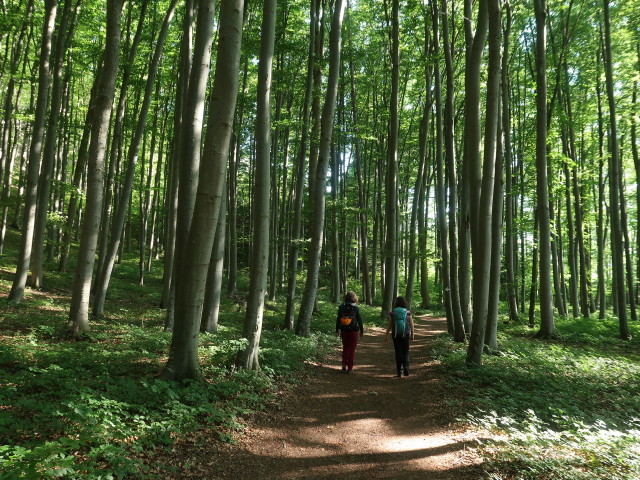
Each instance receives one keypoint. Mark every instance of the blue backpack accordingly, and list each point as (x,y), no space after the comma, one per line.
(400,322)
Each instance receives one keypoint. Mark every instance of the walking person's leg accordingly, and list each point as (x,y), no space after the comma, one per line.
(351,351)
(397,346)
(405,355)
(345,350)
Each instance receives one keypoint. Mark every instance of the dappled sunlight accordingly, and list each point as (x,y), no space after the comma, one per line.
(415,442)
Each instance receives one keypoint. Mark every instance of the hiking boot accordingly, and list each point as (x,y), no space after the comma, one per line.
(344,368)
(406,372)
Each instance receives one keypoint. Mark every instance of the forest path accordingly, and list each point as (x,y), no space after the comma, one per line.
(369,425)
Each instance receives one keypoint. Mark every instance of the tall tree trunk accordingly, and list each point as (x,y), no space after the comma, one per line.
(452,180)
(211,306)
(48,159)
(441,202)
(391,187)
(547,325)
(115,155)
(303,323)
(104,275)
(296,228)
(79,311)
(510,235)
(192,270)
(35,153)
(248,357)
(491,333)
(362,204)
(6,150)
(481,216)
(179,129)
(617,240)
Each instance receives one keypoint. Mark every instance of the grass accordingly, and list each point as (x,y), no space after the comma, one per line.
(563,409)
(94,409)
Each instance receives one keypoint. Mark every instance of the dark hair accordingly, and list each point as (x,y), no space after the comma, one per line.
(401,302)
(351,297)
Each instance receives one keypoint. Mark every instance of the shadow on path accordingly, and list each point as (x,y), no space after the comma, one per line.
(369,425)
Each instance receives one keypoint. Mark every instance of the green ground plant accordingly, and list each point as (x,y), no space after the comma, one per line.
(94,409)
(565,409)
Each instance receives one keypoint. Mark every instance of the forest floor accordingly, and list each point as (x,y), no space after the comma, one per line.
(368,425)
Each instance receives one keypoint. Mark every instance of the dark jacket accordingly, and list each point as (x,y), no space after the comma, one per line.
(352,311)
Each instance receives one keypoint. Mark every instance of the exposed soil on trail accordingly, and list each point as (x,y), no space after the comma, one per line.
(368,425)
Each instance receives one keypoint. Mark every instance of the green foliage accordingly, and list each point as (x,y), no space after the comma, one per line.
(566,409)
(94,409)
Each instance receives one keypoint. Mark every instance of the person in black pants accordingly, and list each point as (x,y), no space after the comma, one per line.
(401,327)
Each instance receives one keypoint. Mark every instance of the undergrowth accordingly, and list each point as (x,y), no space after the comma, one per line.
(566,409)
(94,409)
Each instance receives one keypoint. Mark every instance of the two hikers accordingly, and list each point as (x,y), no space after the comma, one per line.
(349,327)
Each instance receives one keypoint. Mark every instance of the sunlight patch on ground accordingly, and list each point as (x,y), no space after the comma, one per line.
(415,442)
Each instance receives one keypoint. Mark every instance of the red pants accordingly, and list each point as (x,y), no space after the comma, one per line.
(349,342)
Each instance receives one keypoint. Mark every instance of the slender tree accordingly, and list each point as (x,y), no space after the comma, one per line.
(248,357)
(303,323)
(192,270)
(79,311)
(35,153)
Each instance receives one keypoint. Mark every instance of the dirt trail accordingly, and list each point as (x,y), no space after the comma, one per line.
(368,425)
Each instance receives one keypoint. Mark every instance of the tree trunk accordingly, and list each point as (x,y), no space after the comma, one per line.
(391,187)
(614,185)
(79,311)
(35,152)
(104,275)
(179,128)
(510,235)
(481,215)
(298,194)
(303,324)
(248,357)
(452,181)
(547,325)
(211,307)
(192,270)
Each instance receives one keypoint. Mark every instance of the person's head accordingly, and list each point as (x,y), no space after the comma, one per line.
(400,303)
(351,297)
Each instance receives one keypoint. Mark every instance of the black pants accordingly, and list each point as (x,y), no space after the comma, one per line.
(401,346)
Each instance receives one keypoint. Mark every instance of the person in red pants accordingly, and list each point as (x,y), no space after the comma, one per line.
(349,327)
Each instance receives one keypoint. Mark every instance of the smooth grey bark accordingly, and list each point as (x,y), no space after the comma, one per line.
(294,247)
(213,292)
(247,358)
(182,90)
(491,333)
(35,152)
(188,167)
(482,187)
(196,256)
(104,274)
(362,214)
(601,225)
(48,158)
(452,182)
(547,324)
(391,184)
(303,323)
(117,140)
(6,147)
(510,234)
(79,311)
(471,153)
(440,197)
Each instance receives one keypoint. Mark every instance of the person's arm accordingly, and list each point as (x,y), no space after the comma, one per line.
(410,317)
(386,335)
(338,322)
(360,323)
